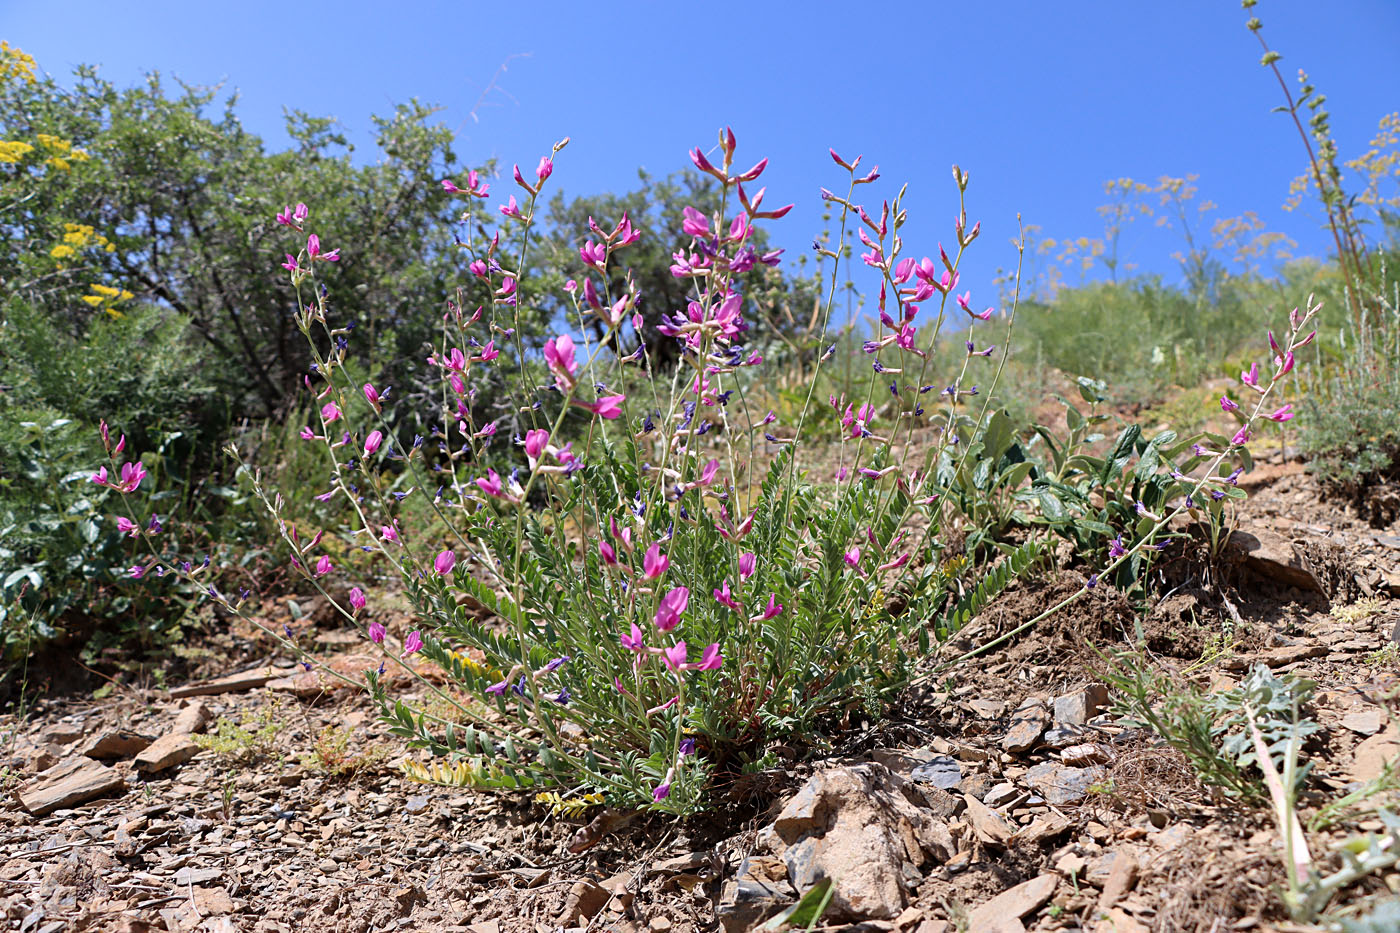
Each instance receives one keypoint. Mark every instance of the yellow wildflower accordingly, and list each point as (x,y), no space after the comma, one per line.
(62,251)
(93,300)
(54,142)
(14,150)
(15,63)
(106,291)
(60,164)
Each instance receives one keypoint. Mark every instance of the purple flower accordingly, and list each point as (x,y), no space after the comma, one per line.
(373,441)
(774,608)
(357,598)
(747,563)
(710,659)
(675,656)
(376,633)
(668,613)
(635,641)
(324,566)
(654,563)
(1115,548)
(687,748)
(663,790)
(414,642)
(444,562)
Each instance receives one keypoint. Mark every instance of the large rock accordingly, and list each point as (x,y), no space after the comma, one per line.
(1007,909)
(1273,557)
(115,743)
(1028,724)
(856,826)
(68,784)
(1061,784)
(1077,708)
(167,752)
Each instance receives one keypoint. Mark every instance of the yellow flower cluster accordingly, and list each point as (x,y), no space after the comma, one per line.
(59,153)
(80,236)
(14,151)
(15,63)
(108,296)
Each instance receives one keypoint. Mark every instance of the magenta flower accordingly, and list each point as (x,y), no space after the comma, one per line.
(512,209)
(1251,378)
(607,552)
(313,249)
(491,484)
(413,643)
(489,352)
(373,441)
(444,562)
(376,633)
(132,474)
(535,442)
(635,641)
(372,396)
(748,562)
(1116,549)
(609,407)
(774,607)
(674,656)
(852,557)
(1281,414)
(707,475)
(478,268)
(329,412)
(545,168)
(559,356)
(725,598)
(1241,436)
(357,598)
(593,255)
(710,659)
(695,223)
(324,566)
(388,533)
(126,526)
(654,563)
(100,477)
(1284,364)
(668,613)
(1227,404)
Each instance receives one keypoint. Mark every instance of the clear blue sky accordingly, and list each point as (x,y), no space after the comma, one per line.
(1040,101)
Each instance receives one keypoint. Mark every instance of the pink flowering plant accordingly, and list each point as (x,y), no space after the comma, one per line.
(632,585)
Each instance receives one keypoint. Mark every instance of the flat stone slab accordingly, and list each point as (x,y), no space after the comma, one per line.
(167,752)
(232,683)
(116,743)
(69,783)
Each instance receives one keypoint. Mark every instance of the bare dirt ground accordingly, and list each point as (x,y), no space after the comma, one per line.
(1010,797)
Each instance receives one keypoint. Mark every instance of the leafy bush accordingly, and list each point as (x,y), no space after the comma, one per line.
(60,547)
